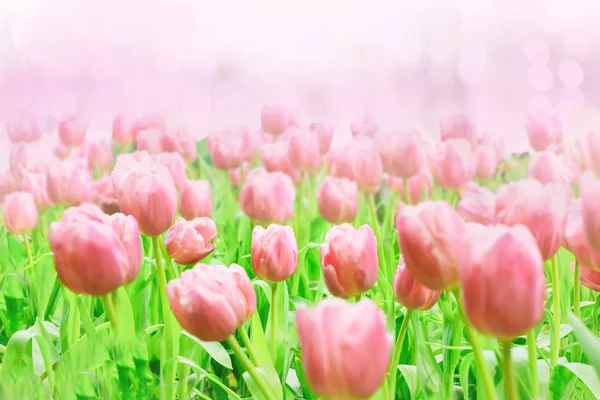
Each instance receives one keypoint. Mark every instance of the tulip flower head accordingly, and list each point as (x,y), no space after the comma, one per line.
(20,213)
(274,252)
(189,242)
(337,199)
(23,129)
(268,197)
(411,293)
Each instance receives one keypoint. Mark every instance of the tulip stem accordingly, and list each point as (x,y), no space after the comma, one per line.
(510,389)
(380,251)
(576,354)
(249,347)
(397,352)
(488,384)
(532,358)
(167,365)
(111,312)
(28,251)
(251,369)
(273,341)
(407,199)
(555,343)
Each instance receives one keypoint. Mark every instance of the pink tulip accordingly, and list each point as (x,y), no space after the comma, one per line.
(547,167)
(175,163)
(580,153)
(69,183)
(95,253)
(195,199)
(429,235)
(99,155)
(454,164)
(345,348)
(419,186)
(188,242)
(268,197)
(541,208)
(8,184)
(252,142)
(402,154)
(276,119)
(71,131)
(235,175)
(275,157)
(543,130)
(592,145)
(30,157)
(503,282)
(36,185)
(151,120)
(411,293)
(226,148)
(303,150)
(364,126)
(150,196)
(575,239)
(20,213)
(458,127)
(337,199)
(324,133)
(23,129)
(590,279)
(128,161)
(150,140)
(180,141)
(211,302)
(494,140)
(105,195)
(123,131)
(274,252)
(357,160)
(486,162)
(349,260)
(477,204)
(590,201)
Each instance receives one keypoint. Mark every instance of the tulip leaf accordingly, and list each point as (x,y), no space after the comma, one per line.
(318,228)
(589,343)
(214,349)
(265,362)
(574,380)
(211,377)
(409,376)
(428,371)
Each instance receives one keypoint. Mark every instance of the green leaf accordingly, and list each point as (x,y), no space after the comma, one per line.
(262,353)
(590,344)
(214,349)
(574,380)
(318,227)
(211,377)
(409,374)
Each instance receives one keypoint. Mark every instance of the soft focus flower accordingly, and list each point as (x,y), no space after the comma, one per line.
(235,175)
(364,126)
(411,293)
(150,140)
(30,157)
(274,252)
(349,260)
(95,253)
(71,131)
(175,163)
(195,199)
(592,145)
(419,186)
(590,279)
(580,153)
(8,184)
(590,206)
(548,167)
(69,183)
(502,280)
(181,141)
(345,348)
(324,133)
(337,199)
(37,186)
(212,301)
(275,119)
(477,204)
(429,235)
(275,157)
(402,154)
(486,162)
(303,150)
(357,160)
(188,242)
(575,239)
(128,161)
(543,130)
(99,155)
(496,141)
(23,129)
(454,164)
(105,195)
(226,148)
(151,120)
(20,213)
(123,131)
(541,208)
(268,197)
(458,127)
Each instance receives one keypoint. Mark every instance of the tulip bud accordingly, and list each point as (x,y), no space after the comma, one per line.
(99,155)
(458,127)
(486,162)
(429,235)
(338,200)
(411,293)
(176,166)
(71,131)
(548,167)
(188,242)
(349,260)
(268,197)
(592,145)
(226,148)
(364,126)
(303,150)
(235,175)
(93,253)
(575,239)
(359,161)
(123,131)
(105,195)
(495,141)
(30,157)
(324,133)
(477,204)
(36,185)
(68,183)
(20,213)
(402,154)
(129,161)
(275,157)
(345,348)
(150,140)
(502,279)
(195,200)
(274,252)
(580,153)
(543,130)
(180,141)
(8,185)
(589,278)
(420,186)
(590,203)
(211,302)
(23,129)
(275,119)
(454,164)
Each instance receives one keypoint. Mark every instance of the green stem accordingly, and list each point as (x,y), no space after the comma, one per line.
(510,389)
(532,358)
(357,298)
(488,383)
(397,352)
(168,364)
(576,355)
(406,192)
(251,369)
(28,250)
(274,331)
(381,254)
(249,347)
(111,311)
(52,300)
(555,342)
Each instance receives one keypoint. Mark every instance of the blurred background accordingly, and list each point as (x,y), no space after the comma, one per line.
(208,65)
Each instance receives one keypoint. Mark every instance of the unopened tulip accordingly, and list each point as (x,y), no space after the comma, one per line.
(226,148)
(477,204)
(411,293)
(494,140)
(486,162)
(188,242)
(543,130)
(93,253)
(23,129)
(20,213)
(580,153)
(590,203)
(541,208)
(123,131)
(590,279)
(324,133)
(275,157)
(71,131)
(337,199)
(303,150)
(429,235)
(345,348)
(30,157)
(458,127)
(37,186)
(274,253)
(99,155)
(364,126)
(212,301)
(8,184)
(235,175)
(152,120)
(276,119)
(358,160)
(69,183)
(402,154)
(420,186)
(195,199)
(548,167)
(349,260)
(502,280)
(150,140)
(175,163)
(454,164)
(575,239)
(105,195)
(128,161)
(592,145)
(181,141)
(268,197)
